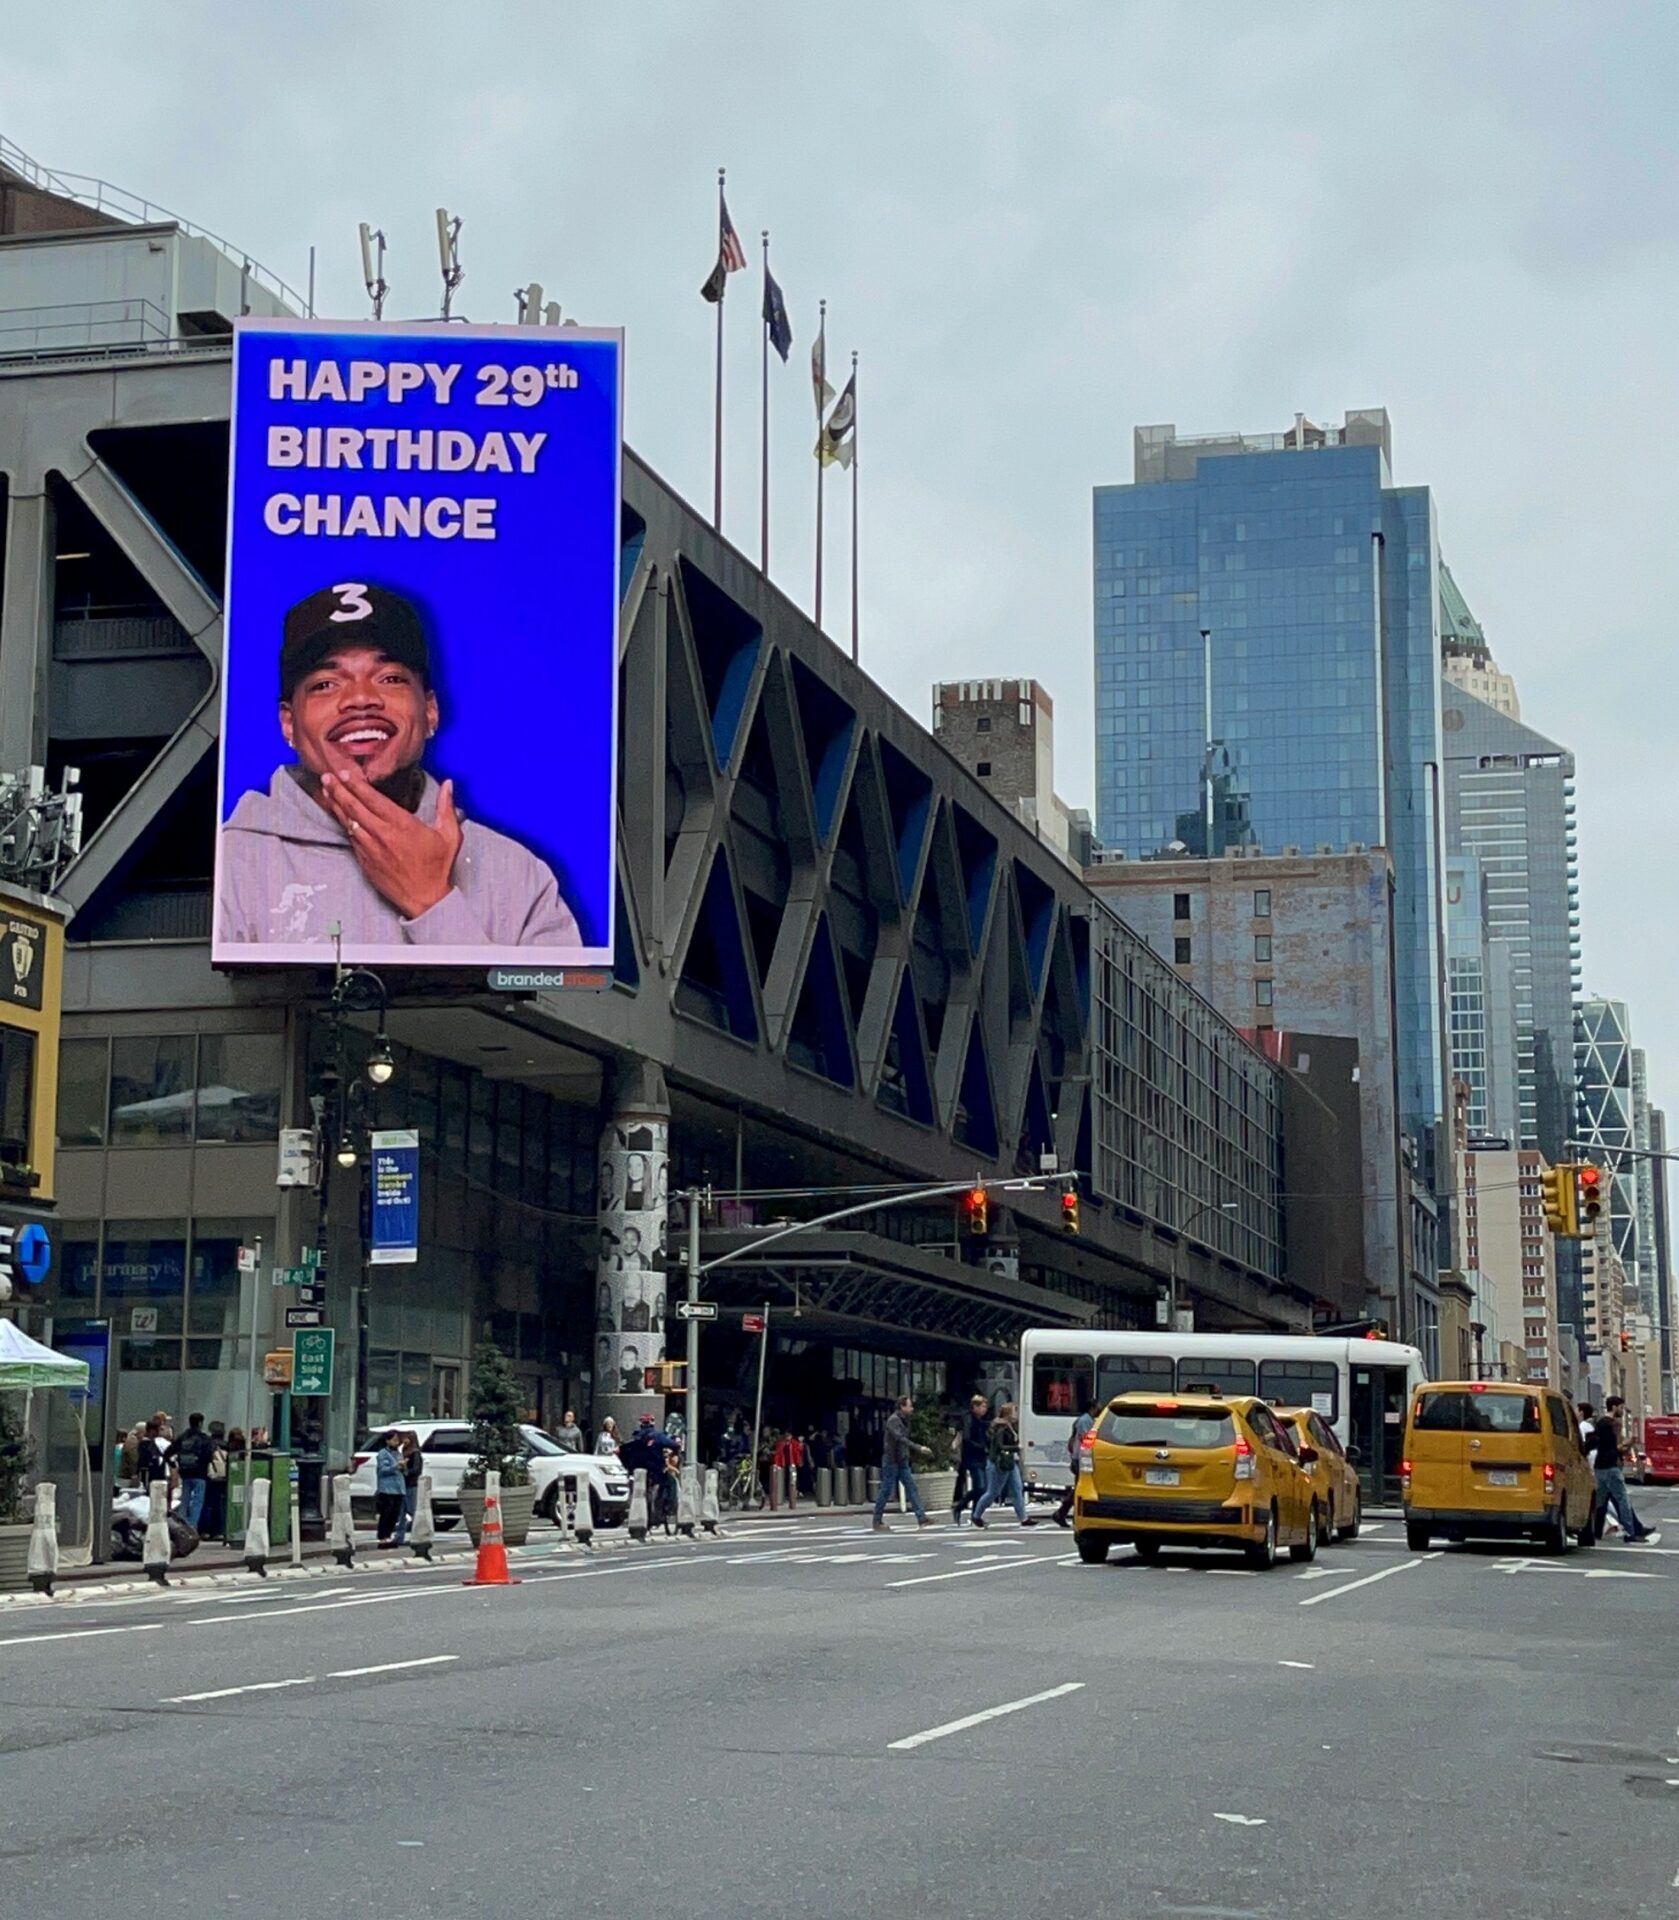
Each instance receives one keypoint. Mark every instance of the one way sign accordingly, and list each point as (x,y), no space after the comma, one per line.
(696,1309)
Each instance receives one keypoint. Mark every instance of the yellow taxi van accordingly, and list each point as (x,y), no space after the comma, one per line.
(1493,1459)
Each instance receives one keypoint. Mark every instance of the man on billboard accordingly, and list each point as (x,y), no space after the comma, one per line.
(355,833)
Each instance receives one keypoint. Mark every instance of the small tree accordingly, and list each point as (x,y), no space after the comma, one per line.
(929,1428)
(17,1456)
(496,1406)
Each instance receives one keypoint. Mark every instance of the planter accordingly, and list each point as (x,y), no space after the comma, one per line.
(14,1555)
(517,1506)
(938,1488)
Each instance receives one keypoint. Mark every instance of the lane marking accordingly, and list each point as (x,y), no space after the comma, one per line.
(962,1573)
(82,1633)
(393,1666)
(227,1693)
(1305,1666)
(1239,1819)
(1369,1580)
(978,1719)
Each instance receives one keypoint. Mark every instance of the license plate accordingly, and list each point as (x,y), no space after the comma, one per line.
(1161,1476)
(1496,1479)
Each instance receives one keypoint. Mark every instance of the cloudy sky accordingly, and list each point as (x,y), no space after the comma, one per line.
(1039,225)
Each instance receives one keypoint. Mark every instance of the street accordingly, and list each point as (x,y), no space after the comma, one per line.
(806,1718)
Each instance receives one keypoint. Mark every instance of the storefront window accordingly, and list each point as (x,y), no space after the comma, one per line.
(82,1068)
(152,1091)
(239,1086)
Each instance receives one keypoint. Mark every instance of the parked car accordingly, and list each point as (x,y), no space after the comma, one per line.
(1334,1472)
(447,1446)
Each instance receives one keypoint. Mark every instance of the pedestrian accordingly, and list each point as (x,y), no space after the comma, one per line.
(606,1441)
(156,1453)
(1005,1482)
(389,1486)
(128,1458)
(973,1460)
(413,1465)
(193,1455)
(1605,1450)
(735,1444)
(569,1434)
(214,1524)
(1075,1447)
(896,1448)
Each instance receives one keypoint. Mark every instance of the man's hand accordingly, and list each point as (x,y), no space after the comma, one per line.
(409,863)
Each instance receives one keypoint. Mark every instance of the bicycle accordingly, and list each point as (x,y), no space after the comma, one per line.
(740,1487)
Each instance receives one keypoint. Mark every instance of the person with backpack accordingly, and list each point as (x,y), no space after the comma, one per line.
(1005,1483)
(193,1453)
(973,1462)
(1075,1446)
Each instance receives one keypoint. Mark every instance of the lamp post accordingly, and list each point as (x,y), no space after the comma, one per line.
(1206,1207)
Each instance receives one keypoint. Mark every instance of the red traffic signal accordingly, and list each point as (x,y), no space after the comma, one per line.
(1589,1195)
(1069,1212)
(976,1214)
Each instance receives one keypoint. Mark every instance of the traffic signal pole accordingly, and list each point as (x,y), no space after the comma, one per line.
(693,1370)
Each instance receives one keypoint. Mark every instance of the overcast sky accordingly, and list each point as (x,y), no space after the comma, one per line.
(1039,225)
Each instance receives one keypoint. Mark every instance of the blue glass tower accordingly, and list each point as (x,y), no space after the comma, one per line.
(1275,600)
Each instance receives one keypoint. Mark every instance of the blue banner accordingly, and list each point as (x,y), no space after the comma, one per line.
(419,722)
(394,1235)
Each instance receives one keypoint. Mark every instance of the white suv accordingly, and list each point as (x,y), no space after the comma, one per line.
(447,1447)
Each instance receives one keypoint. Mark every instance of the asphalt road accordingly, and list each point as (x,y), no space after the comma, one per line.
(804,1720)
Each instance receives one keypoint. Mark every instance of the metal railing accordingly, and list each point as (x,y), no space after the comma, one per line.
(122,205)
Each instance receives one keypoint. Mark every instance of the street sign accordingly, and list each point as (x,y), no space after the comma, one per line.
(277,1367)
(311,1256)
(293,1276)
(312,1296)
(305,1316)
(752,1323)
(312,1360)
(247,1259)
(696,1309)
(142,1320)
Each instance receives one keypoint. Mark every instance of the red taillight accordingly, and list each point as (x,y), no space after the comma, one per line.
(1405,1468)
(1477,1386)
(1243,1449)
(1550,1473)
(1087,1453)
(1089,1441)
(1244,1459)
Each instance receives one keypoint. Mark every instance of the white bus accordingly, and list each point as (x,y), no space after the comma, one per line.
(1360,1386)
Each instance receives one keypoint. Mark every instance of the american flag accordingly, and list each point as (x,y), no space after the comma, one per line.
(731,255)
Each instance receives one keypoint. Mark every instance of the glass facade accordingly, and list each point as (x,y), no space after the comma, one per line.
(1278,610)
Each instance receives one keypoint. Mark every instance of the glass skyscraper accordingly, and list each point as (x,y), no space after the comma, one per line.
(1270,605)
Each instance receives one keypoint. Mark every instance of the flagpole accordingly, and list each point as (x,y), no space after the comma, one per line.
(821,474)
(764,447)
(717,420)
(855,636)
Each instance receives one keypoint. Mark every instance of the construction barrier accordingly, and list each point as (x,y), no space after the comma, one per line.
(709,1512)
(424,1530)
(43,1540)
(343,1522)
(157,1550)
(491,1570)
(638,1504)
(256,1534)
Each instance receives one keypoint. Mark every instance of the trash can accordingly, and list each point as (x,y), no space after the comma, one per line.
(276,1469)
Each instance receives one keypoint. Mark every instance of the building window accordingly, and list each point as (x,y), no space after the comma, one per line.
(17,1093)
(1262,903)
(239,1086)
(983,723)
(1262,993)
(1180,952)
(1180,906)
(82,1066)
(983,769)
(152,1092)
(1262,948)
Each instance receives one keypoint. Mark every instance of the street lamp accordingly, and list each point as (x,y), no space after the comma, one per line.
(381,1062)
(1206,1207)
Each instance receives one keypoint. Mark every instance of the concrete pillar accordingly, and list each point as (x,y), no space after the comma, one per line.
(632,1205)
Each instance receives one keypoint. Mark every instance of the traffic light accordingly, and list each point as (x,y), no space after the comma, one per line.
(666,1376)
(1069,1210)
(1626,1341)
(976,1214)
(1588,1199)
(1556,1184)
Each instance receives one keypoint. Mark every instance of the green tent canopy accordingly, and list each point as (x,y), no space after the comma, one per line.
(25,1363)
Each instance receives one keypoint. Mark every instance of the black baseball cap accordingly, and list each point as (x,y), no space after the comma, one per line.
(351,614)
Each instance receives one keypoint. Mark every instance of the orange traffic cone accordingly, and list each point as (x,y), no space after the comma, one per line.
(491,1570)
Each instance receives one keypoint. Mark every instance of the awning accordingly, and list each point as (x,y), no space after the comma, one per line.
(25,1363)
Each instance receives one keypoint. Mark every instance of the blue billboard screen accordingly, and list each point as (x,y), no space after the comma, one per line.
(421,638)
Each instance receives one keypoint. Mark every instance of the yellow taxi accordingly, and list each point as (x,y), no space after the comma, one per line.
(1334,1472)
(1493,1459)
(1193,1470)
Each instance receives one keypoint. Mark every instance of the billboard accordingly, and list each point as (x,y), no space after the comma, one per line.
(419,687)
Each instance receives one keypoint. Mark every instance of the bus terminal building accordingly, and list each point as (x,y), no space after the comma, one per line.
(841,966)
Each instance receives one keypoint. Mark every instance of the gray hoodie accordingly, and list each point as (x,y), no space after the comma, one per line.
(288,874)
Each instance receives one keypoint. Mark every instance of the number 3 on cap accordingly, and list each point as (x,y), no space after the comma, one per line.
(353,603)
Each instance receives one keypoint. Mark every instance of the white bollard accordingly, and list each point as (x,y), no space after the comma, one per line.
(687,1503)
(256,1534)
(157,1548)
(582,1513)
(424,1529)
(638,1505)
(343,1522)
(709,1512)
(43,1542)
(296,1530)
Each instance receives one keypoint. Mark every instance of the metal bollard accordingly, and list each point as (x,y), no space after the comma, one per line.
(424,1529)
(638,1505)
(709,1511)
(874,1483)
(43,1541)
(256,1534)
(778,1487)
(824,1486)
(859,1486)
(687,1503)
(157,1550)
(582,1512)
(344,1521)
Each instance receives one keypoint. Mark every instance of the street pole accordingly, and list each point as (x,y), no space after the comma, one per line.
(693,1370)
(758,1408)
(251,1369)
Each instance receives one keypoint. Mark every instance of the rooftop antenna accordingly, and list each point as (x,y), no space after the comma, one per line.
(449,256)
(374,276)
(530,305)
(551,314)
